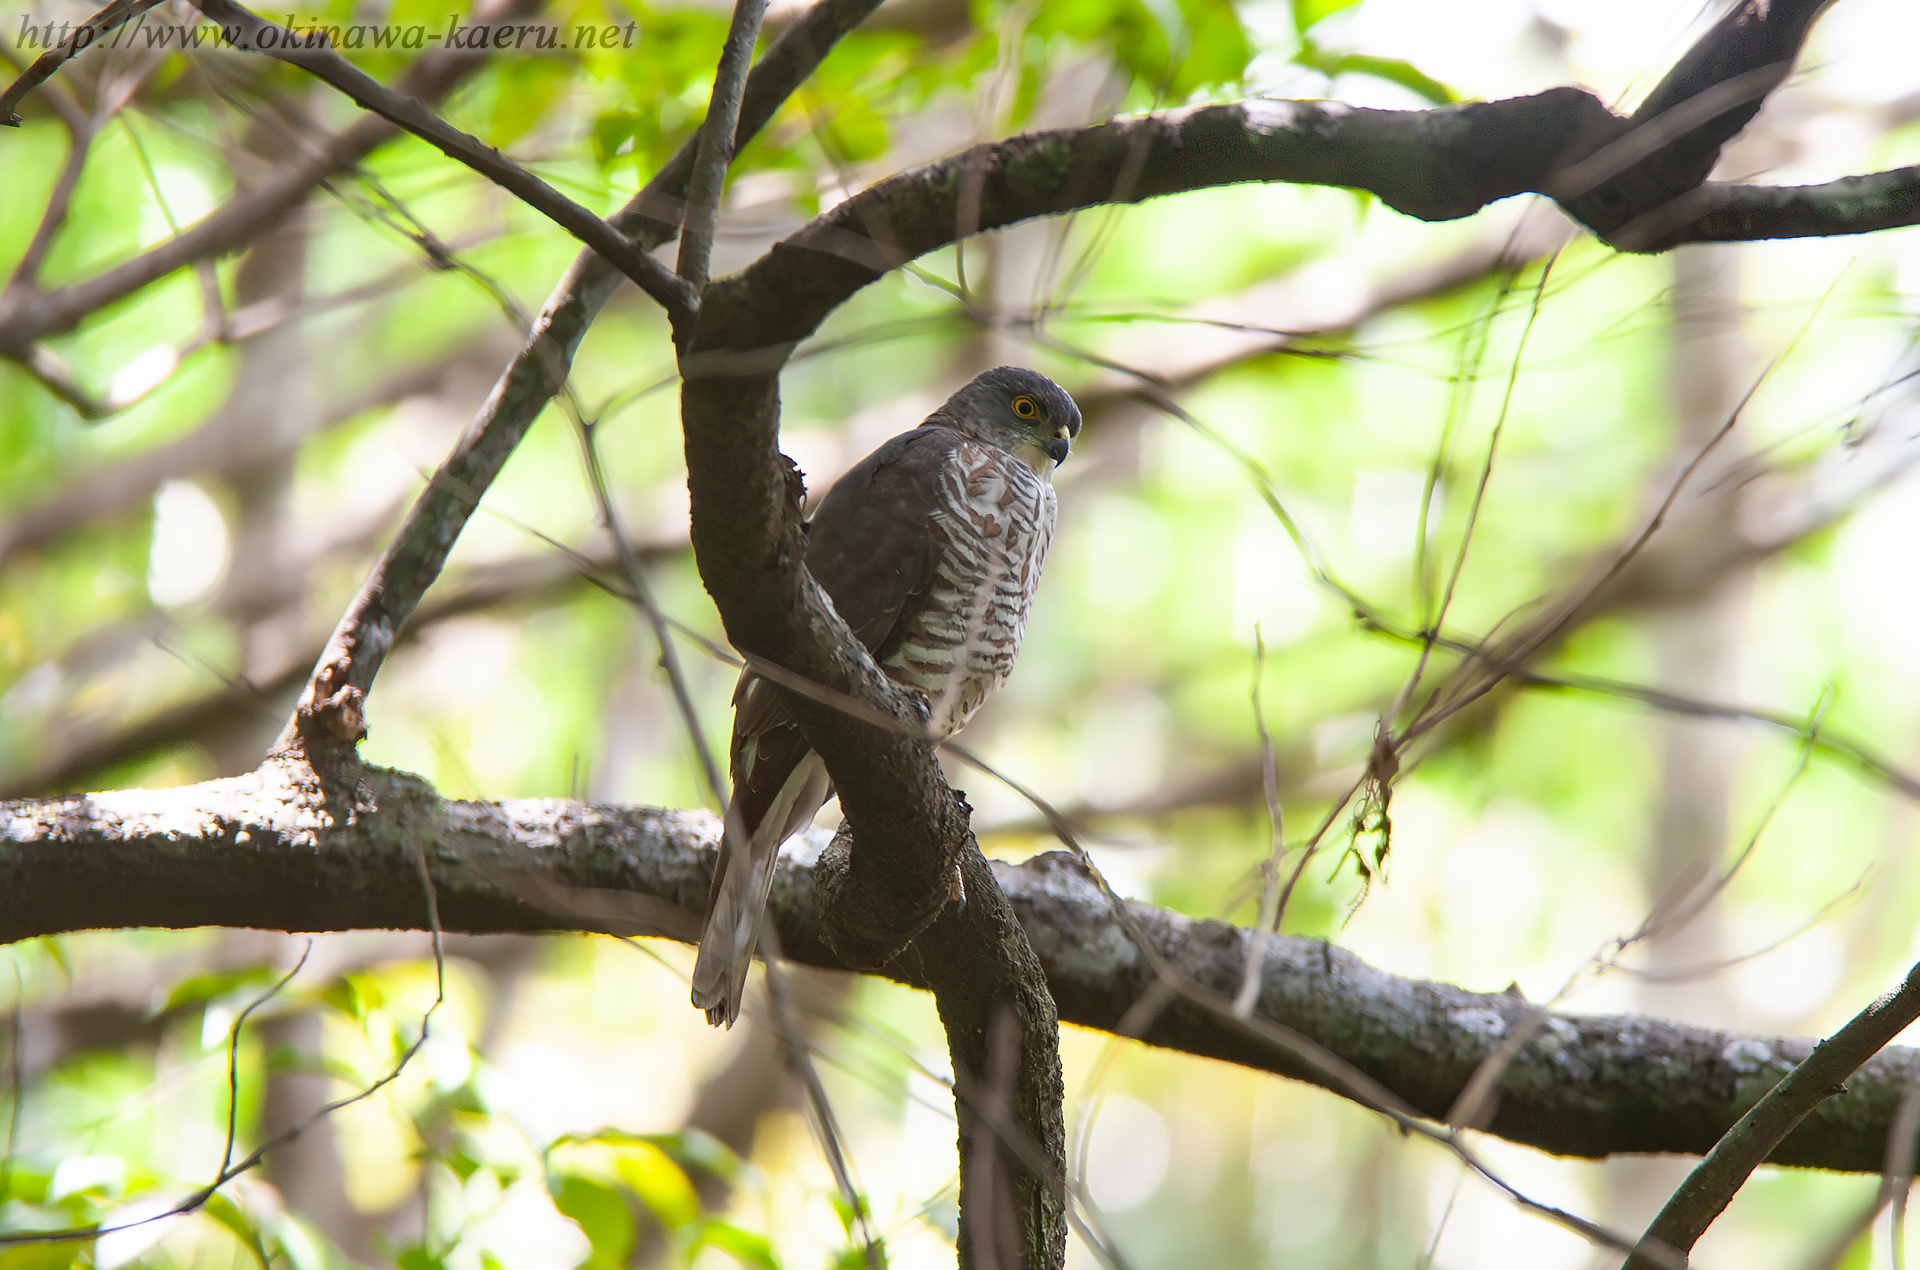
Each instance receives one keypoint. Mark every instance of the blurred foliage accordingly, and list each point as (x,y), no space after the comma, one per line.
(545,1120)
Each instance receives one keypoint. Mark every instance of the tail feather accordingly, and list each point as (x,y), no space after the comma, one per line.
(742,880)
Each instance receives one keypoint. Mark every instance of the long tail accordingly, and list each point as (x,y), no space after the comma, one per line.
(741,882)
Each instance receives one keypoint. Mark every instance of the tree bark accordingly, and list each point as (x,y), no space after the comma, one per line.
(274,850)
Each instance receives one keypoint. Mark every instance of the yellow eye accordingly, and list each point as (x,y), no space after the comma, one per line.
(1025,408)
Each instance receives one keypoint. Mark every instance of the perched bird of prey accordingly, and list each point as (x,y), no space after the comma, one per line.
(930,550)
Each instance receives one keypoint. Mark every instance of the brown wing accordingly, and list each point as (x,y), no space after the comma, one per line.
(871,548)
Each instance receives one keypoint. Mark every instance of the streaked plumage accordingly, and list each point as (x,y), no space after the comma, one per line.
(931,549)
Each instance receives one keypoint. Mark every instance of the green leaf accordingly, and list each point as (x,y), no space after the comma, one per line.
(26,1184)
(463,1165)
(1218,47)
(40,1256)
(847,1214)
(528,88)
(353,995)
(229,1214)
(661,1184)
(601,1215)
(1392,69)
(857,132)
(1308,12)
(206,987)
(702,1150)
(88,1174)
(856,1258)
(743,1245)
(418,1258)
(613,129)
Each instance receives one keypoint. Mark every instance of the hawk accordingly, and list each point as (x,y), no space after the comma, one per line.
(930,550)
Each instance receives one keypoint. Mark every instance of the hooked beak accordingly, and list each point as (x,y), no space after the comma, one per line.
(1057,450)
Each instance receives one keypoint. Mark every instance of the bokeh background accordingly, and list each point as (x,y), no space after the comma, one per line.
(194,481)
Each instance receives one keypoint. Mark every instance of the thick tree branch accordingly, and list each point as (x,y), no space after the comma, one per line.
(1851,205)
(1431,164)
(273,850)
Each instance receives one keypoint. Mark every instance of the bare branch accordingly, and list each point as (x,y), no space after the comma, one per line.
(1717,212)
(1820,1076)
(413,559)
(717,146)
(83,37)
(28,314)
(1586,1086)
(253,33)
(79,141)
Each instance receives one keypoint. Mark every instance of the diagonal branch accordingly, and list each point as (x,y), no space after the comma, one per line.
(327,719)
(245,30)
(28,314)
(1822,1075)
(83,37)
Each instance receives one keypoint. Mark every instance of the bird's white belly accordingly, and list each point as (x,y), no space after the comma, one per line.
(994,530)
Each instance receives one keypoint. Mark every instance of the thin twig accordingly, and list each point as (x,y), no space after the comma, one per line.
(233,1050)
(198,1199)
(79,141)
(640,593)
(827,1125)
(314,55)
(717,147)
(1277,843)
(83,37)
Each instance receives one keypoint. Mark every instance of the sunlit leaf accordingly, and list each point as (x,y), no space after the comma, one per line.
(87,1174)
(661,1184)
(1308,12)
(744,1246)
(701,1150)
(418,1258)
(1392,69)
(856,1258)
(230,1215)
(206,987)
(528,88)
(857,133)
(600,1213)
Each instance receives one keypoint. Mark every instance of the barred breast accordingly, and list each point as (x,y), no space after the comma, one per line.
(992,528)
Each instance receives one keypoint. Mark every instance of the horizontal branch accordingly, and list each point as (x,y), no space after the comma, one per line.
(1431,164)
(274,851)
(1851,205)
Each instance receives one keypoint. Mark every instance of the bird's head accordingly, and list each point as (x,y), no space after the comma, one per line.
(1019,410)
